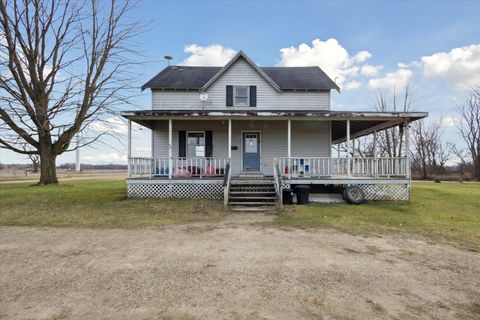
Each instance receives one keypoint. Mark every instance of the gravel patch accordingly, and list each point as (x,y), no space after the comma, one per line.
(232,270)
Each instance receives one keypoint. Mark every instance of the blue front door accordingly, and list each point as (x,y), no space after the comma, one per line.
(251,151)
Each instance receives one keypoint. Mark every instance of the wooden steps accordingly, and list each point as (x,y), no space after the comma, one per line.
(253,194)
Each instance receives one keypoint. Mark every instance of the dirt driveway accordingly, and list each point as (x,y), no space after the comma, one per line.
(232,270)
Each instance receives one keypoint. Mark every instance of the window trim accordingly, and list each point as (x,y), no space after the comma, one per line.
(204,143)
(235,104)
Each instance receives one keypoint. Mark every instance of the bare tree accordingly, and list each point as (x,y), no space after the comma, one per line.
(468,125)
(62,64)
(430,153)
(391,141)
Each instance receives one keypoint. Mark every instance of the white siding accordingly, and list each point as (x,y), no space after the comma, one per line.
(309,139)
(241,73)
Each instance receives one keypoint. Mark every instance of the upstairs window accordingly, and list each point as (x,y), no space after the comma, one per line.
(241,96)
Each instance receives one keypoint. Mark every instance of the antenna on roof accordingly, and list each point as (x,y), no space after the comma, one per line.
(168,58)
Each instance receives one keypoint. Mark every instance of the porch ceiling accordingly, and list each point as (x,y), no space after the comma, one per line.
(361,122)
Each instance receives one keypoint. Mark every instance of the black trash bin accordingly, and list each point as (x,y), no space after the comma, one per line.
(302,194)
(287,196)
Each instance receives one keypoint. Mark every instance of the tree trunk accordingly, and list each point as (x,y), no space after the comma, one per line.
(48,169)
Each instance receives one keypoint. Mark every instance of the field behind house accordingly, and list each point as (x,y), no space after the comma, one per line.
(448,212)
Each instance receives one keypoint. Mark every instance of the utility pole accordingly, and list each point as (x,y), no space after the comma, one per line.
(77,149)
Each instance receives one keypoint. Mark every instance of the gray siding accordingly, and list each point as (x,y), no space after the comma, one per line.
(241,73)
(309,139)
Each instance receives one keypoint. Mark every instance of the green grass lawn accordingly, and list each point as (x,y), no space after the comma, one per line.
(96,204)
(446,211)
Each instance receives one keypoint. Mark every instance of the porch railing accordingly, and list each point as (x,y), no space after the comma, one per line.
(177,167)
(350,167)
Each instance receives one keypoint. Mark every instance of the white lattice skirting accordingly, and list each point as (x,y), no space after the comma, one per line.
(395,192)
(175,190)
(380,192)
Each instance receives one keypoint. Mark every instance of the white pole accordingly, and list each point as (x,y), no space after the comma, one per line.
(407,147)
(170,162)
(348,148)
(77,153)
(289,147)
(129,150)
(407,155)
(229,139)
(375,144)
(289,137)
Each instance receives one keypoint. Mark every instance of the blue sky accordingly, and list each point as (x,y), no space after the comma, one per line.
(391,32)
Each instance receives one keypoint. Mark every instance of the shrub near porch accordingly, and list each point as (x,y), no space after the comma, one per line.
(446,211)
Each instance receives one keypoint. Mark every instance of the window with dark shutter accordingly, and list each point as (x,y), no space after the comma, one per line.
(229,96)
(182,144)
(208,144)
(253,96)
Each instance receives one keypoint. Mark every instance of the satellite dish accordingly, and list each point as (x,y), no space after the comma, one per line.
(168,58)
(203,96)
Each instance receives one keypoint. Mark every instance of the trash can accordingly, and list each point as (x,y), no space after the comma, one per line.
(287,196)
(302,194)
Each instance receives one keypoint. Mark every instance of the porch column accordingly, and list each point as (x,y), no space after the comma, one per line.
(229,139)
(170,162)
(348,148)
(374,151)
(407,147)
(289,147)
(129,147)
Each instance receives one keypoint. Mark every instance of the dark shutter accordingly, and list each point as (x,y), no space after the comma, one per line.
(208,144)
(182,144)
(229,96)
(253,96)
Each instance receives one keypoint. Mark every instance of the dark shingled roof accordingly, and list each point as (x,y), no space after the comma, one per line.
(300,78)
(180,77)
(287,78)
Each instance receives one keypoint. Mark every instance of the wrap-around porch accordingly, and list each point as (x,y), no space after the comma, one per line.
(291,149)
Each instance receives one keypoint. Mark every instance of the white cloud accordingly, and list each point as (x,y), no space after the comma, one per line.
(112,125)
(332,57)
(369,70)
(352,85)
(398,80)
(212,55)
(448,122)
(105,158)
(460,66)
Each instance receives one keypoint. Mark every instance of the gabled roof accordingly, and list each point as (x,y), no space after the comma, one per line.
(281,78)
(238,56)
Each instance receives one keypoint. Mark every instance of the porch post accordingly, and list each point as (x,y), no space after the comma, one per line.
(170,162)
(229,139)
(374,151)
(289,147)
(348,148)
(407,155)
(407,147)
(129,147)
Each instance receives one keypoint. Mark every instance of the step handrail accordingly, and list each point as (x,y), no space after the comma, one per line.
(226,184)
(277,177)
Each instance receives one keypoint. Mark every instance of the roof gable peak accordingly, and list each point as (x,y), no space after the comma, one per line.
(239,55)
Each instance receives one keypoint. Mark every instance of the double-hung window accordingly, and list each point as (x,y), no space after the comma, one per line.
(241,96)
(195,144)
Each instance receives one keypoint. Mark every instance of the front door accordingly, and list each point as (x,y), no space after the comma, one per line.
(251,151)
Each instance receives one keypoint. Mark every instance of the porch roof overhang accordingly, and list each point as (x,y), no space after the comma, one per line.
(361,122)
